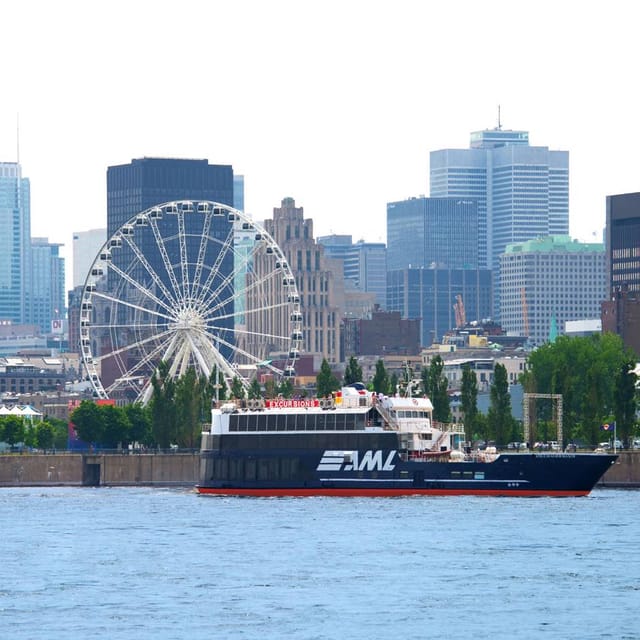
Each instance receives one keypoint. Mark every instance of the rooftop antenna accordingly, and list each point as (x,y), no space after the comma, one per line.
(17,138)
(499,123)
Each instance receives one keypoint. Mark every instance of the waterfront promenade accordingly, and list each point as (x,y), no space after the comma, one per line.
(174,469)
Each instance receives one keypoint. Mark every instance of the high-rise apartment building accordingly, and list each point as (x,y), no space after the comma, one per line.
(522,191)
(621,309)
(548,281)
(48,298)
(15,245)
(432,232)
(318,278)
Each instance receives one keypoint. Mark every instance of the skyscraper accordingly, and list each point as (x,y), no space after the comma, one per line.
(621,312)
(549,281)
(146,182)
(15,245)
(320,288)
(522,191)
(365,264)
(427,232)
(48,298)
(86,245)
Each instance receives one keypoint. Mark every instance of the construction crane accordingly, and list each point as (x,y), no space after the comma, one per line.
(525,311)
(458,309)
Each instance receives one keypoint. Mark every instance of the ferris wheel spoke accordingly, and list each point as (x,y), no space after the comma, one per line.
(119,302)
(232,295)
(200,298)
(171,298)
(257,334)
(245,312)
(184,260)
(255,360)
(132,346)
(165,259)
(202,250)
(148,358)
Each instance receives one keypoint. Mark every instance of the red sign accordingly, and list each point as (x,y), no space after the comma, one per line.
(289,403)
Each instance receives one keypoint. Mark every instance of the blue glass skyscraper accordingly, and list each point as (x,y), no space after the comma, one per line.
(15,245)
(522,191)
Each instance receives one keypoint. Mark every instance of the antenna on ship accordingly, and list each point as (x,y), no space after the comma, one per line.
(499,127)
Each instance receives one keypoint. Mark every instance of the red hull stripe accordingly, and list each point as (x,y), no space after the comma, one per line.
(385,493)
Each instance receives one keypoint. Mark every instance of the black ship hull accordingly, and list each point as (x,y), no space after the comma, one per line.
(371,464)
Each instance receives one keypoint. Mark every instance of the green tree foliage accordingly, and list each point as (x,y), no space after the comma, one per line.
(393,383)
(139,423)
(435,385)
(381,379)
(12,430)
(469,400)
(237,390)
(624,401)
(270,388)
(88,423)
(255,392)
(115,426)
(188,401)
(587,373)
(500,418)
(163,410)
(219,389)
(353,372)
(45,435)
(285,388)
(326,382)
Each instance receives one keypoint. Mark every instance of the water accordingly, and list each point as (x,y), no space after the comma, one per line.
(164,564)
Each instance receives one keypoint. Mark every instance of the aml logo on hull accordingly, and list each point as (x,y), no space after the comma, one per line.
(350,461)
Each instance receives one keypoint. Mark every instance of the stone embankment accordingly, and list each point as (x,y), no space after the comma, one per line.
(174,469)
(77,469)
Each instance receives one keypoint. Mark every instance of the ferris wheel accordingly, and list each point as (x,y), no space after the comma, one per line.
(192,284)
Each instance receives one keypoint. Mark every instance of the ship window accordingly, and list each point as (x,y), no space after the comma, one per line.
(468,474)
(455,474)
(479,475)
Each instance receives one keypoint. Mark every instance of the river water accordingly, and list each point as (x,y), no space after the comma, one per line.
(152,563)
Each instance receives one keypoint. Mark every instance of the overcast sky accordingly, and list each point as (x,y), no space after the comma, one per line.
(336,104)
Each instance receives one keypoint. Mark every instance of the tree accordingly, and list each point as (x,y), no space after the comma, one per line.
(255,392)
(237,390)
(501,422)
(586,372)
(393,383)
(435,385)
(45,435)
(115,426)
(13,430)
(285,388)
(624,401)
(139,423)
(353,372)
(87,421)
(163,411)
(381,379)
(326,382)
(469,400)
(188,399)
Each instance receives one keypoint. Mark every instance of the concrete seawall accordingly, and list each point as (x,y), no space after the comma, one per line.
(75,469)
(175,469)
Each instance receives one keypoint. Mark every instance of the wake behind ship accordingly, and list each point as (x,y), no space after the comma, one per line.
(358,444)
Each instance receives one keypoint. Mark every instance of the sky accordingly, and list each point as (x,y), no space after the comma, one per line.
(336,104)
